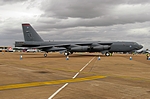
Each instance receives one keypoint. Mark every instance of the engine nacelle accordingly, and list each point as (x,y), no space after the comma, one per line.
(79,48)
(101,47)
(55,49)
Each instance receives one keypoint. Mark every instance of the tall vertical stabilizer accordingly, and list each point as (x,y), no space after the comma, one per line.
(30,34)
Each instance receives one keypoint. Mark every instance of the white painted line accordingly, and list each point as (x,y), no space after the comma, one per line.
(58,91)
(83,68)
(75,75)
(87,64)
(54,94)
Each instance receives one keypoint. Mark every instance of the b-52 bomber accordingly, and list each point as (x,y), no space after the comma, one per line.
(33,40)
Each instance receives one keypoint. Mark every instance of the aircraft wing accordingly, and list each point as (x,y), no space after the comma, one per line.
(105,43)
(42,47)
(84,44)
(50,48)
(73,44)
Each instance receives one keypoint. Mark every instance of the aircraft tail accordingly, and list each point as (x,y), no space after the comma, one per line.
(30,34)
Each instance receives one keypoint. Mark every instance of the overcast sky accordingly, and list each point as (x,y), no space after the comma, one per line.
(102,20)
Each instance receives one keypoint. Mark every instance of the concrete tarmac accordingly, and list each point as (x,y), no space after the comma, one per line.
(83,76)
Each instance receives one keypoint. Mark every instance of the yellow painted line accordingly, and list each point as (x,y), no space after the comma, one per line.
(34,84)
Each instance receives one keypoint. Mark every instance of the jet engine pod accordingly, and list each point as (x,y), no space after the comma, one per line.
(56,49)
(101,47)
(79,48)
(106,47)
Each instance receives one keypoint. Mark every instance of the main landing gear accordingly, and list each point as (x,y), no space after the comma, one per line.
(67,53)
(108,54)
(45,55)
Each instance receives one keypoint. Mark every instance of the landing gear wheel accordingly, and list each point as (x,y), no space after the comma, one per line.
(66,53)
(107,54)
(71,52)
(45,55)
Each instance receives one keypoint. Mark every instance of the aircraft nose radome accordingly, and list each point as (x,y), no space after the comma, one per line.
(141,46)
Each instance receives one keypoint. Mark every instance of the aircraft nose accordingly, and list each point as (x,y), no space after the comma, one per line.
(141,46)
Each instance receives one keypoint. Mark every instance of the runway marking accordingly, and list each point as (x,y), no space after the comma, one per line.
(83,68)
(75,75)
(58,91)
(35,84)
(87,64)
(54,94)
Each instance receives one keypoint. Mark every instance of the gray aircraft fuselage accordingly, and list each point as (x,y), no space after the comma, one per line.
(88,47)
(32,39)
